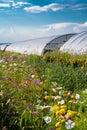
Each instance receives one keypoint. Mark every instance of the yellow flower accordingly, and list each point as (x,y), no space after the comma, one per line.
(58,124)
(71,113)
(41,83)
(82,67)
(58,129)
(55,108)
(70,101)
(63,107)
(47,97)
(58,114)
(63,120)
(73,96)
(62,111)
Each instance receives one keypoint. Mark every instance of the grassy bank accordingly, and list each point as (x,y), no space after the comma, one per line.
(43,92)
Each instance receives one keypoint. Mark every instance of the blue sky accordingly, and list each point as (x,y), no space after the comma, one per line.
(25,19)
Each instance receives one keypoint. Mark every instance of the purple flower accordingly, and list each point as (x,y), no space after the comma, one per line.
(35,112)
(37,81)
(30,105)
(12,113)
(10,58)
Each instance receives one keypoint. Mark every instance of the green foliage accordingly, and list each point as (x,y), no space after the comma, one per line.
(32,86)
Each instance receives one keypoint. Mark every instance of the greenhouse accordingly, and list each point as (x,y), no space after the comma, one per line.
(39,45)
(76,44)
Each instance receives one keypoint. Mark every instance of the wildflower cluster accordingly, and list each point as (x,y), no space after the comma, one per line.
(33,95)
(64,107)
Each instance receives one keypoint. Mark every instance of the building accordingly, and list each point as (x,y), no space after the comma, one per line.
(76,44)
(39,45)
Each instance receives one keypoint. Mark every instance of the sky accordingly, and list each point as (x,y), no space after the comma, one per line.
(26,19)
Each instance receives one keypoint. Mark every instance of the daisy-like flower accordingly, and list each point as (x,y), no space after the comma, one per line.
(77,96)
(56,97)
(1,61)
(47,119)
(69,124)
(45,92)
(15,64)
(61,102)
(32,76)
(55,89)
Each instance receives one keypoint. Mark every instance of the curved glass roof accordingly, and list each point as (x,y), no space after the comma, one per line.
(76,44)
(39,45)
(32,46)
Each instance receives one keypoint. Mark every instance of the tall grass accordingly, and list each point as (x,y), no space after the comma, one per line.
(43,92)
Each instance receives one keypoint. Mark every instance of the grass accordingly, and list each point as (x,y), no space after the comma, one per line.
(43,92)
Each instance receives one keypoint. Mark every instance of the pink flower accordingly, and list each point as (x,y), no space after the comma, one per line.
(35,112)
(37,81)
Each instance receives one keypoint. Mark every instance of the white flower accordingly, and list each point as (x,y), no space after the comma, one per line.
(68,94)
(59,88)
(45,92)
(60,92)
(61,102)
(32,76)
(54,83)
(42,107)
(47,119)
(56,97)
(38,101)
(15,64)
(69,124)
(1,61)
(54,90)
(77,96)
(3,66)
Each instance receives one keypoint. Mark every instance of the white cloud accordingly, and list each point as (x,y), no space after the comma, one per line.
(61,28)
(55,7)
(38,9)
(80,27)
(3,5)
(14,34)
(7,0)
(78,7)
(19,4)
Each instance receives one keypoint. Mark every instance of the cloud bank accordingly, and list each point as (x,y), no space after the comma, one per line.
(4,5)
(38,9)
(55,7)
(14,34)
(18,4)
(29,7)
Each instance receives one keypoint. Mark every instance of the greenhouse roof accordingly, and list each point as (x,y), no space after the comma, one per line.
(39,45)
(76,44)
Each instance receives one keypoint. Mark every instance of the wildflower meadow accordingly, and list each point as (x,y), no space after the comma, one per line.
(46,92)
